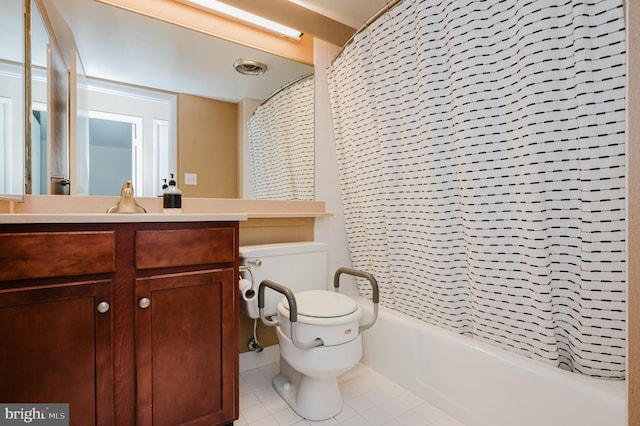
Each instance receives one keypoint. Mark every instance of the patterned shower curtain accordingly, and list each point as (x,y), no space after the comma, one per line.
(481,153)
(281,144)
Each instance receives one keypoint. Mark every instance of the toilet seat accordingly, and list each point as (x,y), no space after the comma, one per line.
(321,307)
(332,317)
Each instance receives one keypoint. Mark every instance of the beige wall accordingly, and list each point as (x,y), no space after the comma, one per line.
(208,147)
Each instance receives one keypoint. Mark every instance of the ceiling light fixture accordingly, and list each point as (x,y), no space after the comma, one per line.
(249,67)
(235,13)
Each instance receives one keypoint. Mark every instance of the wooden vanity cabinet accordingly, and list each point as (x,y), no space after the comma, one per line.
(186,326)
(131,323)
(56,321)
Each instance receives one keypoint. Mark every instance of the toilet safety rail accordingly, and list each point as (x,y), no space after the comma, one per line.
(293,313)
(293,306)
(374,288)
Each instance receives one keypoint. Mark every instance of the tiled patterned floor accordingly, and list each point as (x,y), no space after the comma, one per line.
(369,399)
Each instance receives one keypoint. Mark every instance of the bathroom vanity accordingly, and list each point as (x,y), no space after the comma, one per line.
(131,319)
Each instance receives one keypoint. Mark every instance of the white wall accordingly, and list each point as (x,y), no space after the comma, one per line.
(330,230)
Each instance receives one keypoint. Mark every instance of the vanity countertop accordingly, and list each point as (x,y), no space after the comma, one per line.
(90,209)
(119,217)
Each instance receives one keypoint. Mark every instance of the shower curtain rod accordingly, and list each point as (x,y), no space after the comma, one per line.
(366,25)
(291,83)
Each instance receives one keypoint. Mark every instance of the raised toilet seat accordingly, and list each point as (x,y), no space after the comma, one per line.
(319,336)
(330,316)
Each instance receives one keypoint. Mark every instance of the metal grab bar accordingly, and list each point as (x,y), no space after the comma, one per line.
(374,286)
(293,313)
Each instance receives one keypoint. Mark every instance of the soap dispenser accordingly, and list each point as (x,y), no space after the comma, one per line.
(164,187)
(172,198)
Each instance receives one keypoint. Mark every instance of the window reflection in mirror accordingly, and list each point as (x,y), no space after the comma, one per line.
(113,139)
(12,36)
(37,170)
(130,137)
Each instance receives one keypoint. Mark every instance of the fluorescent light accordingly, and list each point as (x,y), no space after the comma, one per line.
(234,12)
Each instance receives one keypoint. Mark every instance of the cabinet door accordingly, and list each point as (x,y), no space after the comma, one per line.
(185,348)
(56,348)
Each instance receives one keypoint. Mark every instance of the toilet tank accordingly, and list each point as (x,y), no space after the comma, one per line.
(298,266)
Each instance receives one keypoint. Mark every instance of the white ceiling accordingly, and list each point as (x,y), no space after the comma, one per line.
(353,13)
(126,47)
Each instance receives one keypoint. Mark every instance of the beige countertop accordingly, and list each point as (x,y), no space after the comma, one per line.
(90,209)
(17,218)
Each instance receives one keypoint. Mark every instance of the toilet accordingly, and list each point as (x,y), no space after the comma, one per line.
(318,330)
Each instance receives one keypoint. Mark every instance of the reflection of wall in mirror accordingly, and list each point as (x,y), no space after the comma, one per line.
(58,93)
(208,135)
(58,79)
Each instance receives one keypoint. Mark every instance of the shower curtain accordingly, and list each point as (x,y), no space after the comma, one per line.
(481,154)
(281,144)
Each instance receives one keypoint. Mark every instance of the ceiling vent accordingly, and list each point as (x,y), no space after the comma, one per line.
(249,67)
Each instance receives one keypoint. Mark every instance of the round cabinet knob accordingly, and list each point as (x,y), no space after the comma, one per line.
(103,307)
(144,303)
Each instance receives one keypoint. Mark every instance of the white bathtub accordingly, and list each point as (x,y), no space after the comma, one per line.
(482,385)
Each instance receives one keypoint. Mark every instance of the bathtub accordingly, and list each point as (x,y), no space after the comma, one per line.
(482,385)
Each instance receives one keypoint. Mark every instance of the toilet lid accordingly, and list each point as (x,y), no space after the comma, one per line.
(322,304)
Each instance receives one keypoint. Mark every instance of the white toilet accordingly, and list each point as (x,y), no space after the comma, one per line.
(320,336)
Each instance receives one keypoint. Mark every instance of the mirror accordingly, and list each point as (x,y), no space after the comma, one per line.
(115,45)
(12,95)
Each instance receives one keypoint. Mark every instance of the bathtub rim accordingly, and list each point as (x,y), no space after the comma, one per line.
(612,392)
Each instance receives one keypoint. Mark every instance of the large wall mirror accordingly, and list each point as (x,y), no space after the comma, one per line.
(128,63)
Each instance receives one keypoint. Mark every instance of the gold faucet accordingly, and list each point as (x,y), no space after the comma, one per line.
(127,203)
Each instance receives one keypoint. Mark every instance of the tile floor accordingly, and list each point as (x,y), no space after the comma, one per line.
(369,399)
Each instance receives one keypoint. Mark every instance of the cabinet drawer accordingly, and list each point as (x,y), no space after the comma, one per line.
(56,254)
(183,247)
